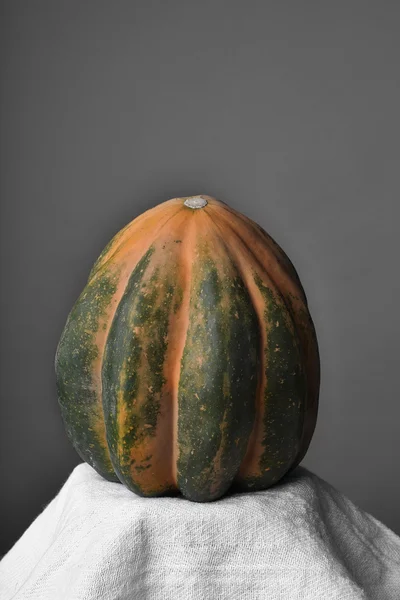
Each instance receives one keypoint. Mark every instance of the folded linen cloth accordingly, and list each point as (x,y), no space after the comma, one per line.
(301,539)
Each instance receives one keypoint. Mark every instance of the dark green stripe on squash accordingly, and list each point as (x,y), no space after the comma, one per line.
(284,393)
(133,367)
(77,350)
(219,366)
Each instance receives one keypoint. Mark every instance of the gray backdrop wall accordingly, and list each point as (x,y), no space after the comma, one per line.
(289,111)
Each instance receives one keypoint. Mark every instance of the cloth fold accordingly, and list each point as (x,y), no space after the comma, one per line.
(301,539)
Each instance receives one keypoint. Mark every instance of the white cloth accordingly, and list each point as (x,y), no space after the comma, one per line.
(301,539)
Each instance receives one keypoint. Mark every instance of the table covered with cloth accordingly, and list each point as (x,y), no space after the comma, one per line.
(301,539)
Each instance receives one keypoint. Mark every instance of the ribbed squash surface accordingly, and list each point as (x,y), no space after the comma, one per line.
(190,362)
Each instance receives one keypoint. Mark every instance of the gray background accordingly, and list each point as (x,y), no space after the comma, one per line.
(289,111)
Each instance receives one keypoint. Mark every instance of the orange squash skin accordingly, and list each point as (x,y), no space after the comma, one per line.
(190,361)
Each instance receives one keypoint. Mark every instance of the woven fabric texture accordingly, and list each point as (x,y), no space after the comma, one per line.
(301,539)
